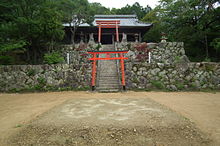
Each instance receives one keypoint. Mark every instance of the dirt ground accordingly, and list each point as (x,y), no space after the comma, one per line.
(200,107)
(130,118)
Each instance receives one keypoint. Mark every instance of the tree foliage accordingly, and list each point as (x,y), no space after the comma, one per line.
(29,25)
(194,22)
(135,9)
(31,28)
(53,58)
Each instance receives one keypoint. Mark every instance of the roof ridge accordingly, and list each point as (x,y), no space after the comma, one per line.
(115,16)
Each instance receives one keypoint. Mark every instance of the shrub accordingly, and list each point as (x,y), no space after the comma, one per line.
(180,86)
(209,67)
(129,46)
(6,60)
(31,72)
(41,81)
(98,47)
(177,59)
(143,51)
(216,44)
(158,84)
(53,58)
(207,60)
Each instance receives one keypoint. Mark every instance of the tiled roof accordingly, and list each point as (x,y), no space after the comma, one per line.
(115,16)
(125,20)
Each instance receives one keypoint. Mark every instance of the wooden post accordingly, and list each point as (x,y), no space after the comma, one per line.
(140,38)
(93,72)
(113,39)
(122,72)
(117,35)
(100,29)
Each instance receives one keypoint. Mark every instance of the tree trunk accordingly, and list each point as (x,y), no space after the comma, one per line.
(28,55)
(206,46)
(35,55)
(72,36)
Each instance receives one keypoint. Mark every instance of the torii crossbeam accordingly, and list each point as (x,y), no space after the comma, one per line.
(108,57)
(108,24)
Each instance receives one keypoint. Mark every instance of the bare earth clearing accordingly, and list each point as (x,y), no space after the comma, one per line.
(131,118)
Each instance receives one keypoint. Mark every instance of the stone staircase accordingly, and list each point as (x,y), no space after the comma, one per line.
(107,73)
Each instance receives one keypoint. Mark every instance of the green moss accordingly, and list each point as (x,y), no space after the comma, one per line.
(18,125)
(177,59)
(14,90)
(135,80)
(209,67)
(141,90)
(180,86)
(41,81)
(31,72)
(158,84)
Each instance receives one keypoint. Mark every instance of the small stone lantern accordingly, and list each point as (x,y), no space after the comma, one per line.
(163,37)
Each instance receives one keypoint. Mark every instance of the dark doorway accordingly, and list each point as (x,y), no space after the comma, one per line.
(106,39)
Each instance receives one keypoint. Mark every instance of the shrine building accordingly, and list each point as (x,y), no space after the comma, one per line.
(126,24)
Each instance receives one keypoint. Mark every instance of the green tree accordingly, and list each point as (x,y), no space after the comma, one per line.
(75,12)
(135,9)
(98,9)
(29,25)
(195,22)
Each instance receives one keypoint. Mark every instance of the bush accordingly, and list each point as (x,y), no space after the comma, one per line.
(31,72)
(158,84)
(180,86)
(98,47)
(6,60)
(53,58)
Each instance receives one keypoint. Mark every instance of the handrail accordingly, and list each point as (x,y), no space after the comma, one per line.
(118,67)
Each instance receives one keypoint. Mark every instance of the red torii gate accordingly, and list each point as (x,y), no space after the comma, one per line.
(108,24)
(108,57)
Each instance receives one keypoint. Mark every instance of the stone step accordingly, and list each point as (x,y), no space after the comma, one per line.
(107,88)
(107,84)
(109,66)
(109,81)
(107,71)
(108,75)
(111,78)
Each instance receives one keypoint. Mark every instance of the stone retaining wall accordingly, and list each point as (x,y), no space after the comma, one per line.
(174,77)
(44,77)
(170,69)
(167,52)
